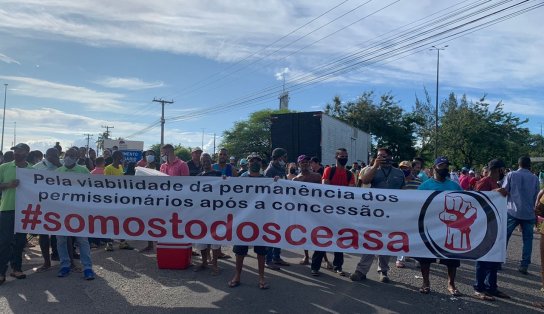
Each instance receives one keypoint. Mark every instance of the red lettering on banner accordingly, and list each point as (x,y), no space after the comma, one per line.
(228,232)
(189,229)
(316,235)
(378,245)
(103,224)
(157,224)
(175,225)
(267,229)
(138,221)
(68,224)
(403,242)
(352,238)
(289,235)
(240,230)
(53,219)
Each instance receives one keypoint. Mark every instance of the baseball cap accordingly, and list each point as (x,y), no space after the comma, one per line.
(496,163)
(278,152)
(253,155)
(196,149)
(243,162)
(232,158)
(471,172)
(405,163)
(302,157)
(441,160)
(21,146)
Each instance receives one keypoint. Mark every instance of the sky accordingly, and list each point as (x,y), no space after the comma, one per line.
(74,67)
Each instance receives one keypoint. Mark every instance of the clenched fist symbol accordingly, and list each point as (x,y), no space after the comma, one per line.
(458,215)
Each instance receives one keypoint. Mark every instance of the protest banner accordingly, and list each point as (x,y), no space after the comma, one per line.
(260,211)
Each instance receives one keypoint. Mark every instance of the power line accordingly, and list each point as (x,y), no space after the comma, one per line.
(398,46)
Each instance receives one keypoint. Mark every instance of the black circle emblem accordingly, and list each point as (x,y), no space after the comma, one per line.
(483,247)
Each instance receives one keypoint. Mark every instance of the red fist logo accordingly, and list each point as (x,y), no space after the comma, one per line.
(458,215)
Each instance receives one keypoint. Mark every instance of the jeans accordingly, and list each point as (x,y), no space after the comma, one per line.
(486,276)
(527,236)
(317,258)
(84,252)
(273,254)
(11,245)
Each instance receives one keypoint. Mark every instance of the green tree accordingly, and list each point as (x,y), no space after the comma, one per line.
(182,152)
(472,133)
(252,135)
(390,125)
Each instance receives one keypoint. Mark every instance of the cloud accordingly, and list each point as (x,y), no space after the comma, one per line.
(281,74)
(130,83)
(42,89)
(7,59)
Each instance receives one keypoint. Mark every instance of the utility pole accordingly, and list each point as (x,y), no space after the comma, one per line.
(88,139)
(436,106)
(14,133)
(4,115)
(202,146)
(107,130)
(162,116)
(214,144)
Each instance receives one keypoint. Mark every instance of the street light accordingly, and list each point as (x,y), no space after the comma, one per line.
(436,106)
(4,116)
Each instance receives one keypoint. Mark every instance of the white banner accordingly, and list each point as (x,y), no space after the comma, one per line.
(259,211)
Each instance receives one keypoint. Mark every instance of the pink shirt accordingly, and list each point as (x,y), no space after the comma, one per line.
(97,170)
(176,168)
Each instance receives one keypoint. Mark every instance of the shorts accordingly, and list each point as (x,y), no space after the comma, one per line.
(243,249)
(448,262)
(202,246)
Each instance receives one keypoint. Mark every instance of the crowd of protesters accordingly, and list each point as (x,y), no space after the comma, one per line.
(525,204)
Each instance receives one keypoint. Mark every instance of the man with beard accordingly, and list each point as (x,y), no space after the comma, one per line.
(223,166)
(195,167)
(382,175)
(11,244)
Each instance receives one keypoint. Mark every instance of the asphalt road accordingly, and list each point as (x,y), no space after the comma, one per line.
(130,282)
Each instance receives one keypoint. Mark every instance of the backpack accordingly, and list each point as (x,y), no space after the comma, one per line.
(333,170)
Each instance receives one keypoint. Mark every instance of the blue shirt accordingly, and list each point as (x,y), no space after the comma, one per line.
(434,185)
(522,187)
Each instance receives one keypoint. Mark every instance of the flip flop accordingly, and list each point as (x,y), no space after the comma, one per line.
(425,290)
(18,275)
(233,284)
(264,285)
(454,292)
(215,271)
(483,296)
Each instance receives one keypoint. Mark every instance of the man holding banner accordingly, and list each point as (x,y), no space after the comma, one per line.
(382,175)
(11,245)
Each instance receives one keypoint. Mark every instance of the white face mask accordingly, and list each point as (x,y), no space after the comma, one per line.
(69,161)
(150,158)
(164,158)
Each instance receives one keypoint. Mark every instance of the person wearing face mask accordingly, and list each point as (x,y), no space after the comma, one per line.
(485,287)
(11,243)
(440,182)
(340,176)
(255,163)
(151,160)
(276,168)
(50,163)
(382,175)
(70,165)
